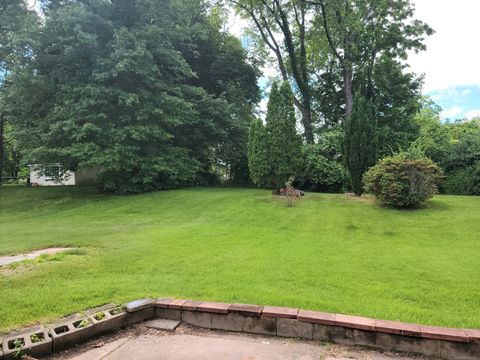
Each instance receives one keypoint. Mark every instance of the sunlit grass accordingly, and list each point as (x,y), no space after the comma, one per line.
(327,253)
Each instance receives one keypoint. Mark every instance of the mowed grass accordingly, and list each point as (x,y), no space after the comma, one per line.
(327,253)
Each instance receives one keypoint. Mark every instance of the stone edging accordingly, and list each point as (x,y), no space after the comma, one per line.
(447,343)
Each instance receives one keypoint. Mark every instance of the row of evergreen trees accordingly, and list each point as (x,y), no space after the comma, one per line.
(275,149)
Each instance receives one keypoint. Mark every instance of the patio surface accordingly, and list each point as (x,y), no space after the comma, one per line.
(188,343)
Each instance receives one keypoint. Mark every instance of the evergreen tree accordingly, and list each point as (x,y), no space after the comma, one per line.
(257,160)
(275,151)
(360,142)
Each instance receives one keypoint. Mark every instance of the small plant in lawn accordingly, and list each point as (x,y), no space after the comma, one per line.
(99,316)
(290,192)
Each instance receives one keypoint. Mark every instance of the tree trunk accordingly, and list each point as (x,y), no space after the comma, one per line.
(307,123)
(2,149)
(347,89)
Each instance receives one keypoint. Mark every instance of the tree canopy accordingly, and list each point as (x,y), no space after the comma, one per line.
(153,92)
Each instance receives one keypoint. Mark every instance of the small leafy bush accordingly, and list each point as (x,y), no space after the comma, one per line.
(403,180)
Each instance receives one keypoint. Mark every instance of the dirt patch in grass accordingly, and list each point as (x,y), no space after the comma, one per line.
(7,260)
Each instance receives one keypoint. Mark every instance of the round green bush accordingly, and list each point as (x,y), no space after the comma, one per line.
(403,180)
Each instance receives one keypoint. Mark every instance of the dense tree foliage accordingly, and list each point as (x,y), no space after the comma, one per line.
(455,146)
(276,150)
(360,142)
(18,25)
(151,91)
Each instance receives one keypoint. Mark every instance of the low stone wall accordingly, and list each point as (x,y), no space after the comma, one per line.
(439,342)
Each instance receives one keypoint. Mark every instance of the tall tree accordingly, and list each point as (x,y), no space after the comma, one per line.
(116,86)
(360,142)
(360,31)
(258,163)
(17,25)
(283,26)
(275,151)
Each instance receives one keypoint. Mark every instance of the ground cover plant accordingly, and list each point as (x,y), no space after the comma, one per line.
(328,253)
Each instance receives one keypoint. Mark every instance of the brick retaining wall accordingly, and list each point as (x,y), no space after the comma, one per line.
(385,335)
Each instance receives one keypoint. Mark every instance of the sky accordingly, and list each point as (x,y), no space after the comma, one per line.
(451,63)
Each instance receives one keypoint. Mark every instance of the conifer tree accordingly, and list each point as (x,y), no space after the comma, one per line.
(360,142)
(275,151)
(257,161)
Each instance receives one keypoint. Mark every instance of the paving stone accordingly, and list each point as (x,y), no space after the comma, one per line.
(140,304)
(280,312)
(355,322)
(398,328)
(162,324)
(316,317)
(213,307)
(176,304)
(245,309)
(163,302)
(433,332)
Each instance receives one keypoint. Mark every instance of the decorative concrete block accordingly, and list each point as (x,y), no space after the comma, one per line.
(201,319)
(162,313)
(71,333)
(114,319)
(294,328)
(260,325)
(228,322)
(34,342)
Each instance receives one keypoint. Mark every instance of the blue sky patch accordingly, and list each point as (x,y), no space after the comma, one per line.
(458,102)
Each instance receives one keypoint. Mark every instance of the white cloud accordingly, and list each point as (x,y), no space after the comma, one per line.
(452,52)
(472,114)
(452,112)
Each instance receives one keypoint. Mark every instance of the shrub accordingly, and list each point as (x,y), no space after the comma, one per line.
(464,181)
(403,180)
(321,173)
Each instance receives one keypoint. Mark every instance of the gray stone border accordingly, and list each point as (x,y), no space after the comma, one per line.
(447,343)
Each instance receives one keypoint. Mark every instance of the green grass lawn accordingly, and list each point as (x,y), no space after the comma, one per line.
(327,253)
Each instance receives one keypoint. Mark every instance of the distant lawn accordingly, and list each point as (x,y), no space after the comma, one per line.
(327,253)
